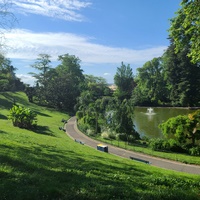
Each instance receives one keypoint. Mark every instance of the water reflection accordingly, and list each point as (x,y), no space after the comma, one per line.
(146,122)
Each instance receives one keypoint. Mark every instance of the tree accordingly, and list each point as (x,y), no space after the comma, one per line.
(8,79)
(124,81)
(43,65)
(63,84)
(70,64)
(185,29)
(120,118)
(183,127)
(150,83)
(181,77)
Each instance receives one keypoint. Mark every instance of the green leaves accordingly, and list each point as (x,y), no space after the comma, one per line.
(182,127)
(22,117)
(185,29)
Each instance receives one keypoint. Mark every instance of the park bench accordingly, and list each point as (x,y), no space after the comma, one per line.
(80,142)
(140,160)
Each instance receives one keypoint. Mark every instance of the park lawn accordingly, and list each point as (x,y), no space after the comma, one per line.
(47,164)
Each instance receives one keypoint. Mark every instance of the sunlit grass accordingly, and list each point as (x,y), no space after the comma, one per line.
(47,164)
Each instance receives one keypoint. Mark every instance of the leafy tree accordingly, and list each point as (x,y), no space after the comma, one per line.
(181,77)
(63,84)
(43,65)
(182,127)
(8,79)
(151,87)
(185,29)
(70,64)
(120,118)
(124,81)
(22,117)
(30,92)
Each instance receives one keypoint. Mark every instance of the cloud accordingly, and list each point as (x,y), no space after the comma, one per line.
(106,74)
(25,44)
(62,9)
(28,79)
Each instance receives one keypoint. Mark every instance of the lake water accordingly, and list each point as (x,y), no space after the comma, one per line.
(147,125)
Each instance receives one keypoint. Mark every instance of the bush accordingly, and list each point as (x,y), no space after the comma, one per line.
(90,132)
(105,135)
(112,135)
(156,144)
(194,151)
(22,117)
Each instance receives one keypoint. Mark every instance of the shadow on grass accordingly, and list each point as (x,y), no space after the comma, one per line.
(5,104)
(45,172)
(3,132)
(3,117)
(43,130)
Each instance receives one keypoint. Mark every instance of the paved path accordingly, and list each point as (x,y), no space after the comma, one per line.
(74,133)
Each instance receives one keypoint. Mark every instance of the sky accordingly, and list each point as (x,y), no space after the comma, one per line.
(101,33)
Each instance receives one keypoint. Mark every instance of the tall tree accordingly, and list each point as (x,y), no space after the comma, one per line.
(42,64)
(182,77)
(8,79)
(150,87)
(64,83)
(185,29)
(124,81)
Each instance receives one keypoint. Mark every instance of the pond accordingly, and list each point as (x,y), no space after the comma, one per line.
(146,121)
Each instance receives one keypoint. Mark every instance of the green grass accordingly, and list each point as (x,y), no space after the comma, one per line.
(47,164)
(184,158)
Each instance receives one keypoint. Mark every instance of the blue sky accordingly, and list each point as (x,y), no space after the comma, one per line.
(102,33)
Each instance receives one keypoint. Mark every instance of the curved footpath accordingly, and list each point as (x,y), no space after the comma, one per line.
(74,133)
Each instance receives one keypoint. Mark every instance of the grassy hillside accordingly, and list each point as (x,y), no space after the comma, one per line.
(47,164)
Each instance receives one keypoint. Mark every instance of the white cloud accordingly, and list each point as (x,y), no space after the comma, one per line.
(28,79)
(62,9)
(106,74)
(25,44)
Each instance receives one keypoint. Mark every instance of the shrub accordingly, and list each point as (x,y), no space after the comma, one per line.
(194,151)
(90,132)
(156,144)
(105,135)
(22,117)
(112,136)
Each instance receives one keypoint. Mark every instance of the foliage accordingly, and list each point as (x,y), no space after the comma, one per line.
(183,127)
(185,27)
(194,151)
(22,117)
(151,86)
(57,87)
(42,64)
(124,81)
(181,77)
(8,79)
(172,145)
(120,118)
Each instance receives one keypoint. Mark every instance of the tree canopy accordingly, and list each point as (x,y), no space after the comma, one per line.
(185,29)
